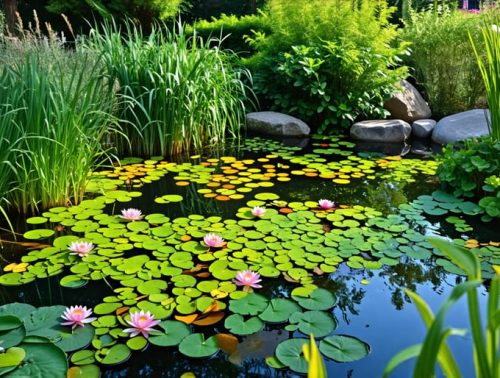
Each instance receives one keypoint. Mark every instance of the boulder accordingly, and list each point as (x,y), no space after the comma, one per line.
(273,123)
(422,128)
(408,104)
(384,130)
(461,126)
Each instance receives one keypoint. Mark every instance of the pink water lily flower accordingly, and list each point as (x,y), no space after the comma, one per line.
(213,240)
(326,204)
(142,323)
(248,279)
(258,211)
(77,316)
(131,214)
(80,248)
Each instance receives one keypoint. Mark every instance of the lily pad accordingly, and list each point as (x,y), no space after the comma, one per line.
(318,299)
(174,333)
(344,348)
(251,304)
(279,310)
(238,325)
(197,346)
(289,353)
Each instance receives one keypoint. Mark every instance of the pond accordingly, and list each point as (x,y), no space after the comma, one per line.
(339,273)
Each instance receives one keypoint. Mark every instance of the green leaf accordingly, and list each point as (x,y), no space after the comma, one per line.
(318,323)
(236,324)
(290,353)
(12,357)
(402,356)
(279,310)
(344,348)
(318,299)
(462,257)
(9,322)
(196,346)
(174,333)
(42,361)
(251,304)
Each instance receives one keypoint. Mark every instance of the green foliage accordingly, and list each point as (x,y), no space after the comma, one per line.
(142,10)
(327,63)
(442,58)
(490,70)
(434,348)
(176,91)
(470,172)
(55,110)
(231,30)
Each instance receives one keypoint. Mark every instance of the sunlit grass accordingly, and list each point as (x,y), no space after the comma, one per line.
(177,92)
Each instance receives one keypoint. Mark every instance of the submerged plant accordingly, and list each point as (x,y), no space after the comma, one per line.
(248,279)
(77,316)
(142,323)
(81,248)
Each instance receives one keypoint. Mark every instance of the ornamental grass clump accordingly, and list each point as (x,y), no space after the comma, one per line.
(176,91)
(53,116)
(490,70)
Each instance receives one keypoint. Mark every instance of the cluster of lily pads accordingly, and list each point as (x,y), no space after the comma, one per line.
(169,275)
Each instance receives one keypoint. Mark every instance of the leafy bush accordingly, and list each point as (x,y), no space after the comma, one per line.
(470,172)
(176,92)
(327,63)
(231,30)
(442,58)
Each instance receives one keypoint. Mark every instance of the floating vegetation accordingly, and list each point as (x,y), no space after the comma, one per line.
(169,277)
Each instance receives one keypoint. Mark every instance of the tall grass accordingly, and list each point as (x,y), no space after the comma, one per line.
(52,120)
(490,70)
(176,91)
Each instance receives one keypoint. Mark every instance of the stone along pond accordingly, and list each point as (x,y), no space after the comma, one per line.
(336,271)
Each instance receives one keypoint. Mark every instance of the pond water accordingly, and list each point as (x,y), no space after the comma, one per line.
(366,252)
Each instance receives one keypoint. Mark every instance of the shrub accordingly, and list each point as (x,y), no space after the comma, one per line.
(442,58)
(176,92)
(470,172)
(231,30)
(328,63)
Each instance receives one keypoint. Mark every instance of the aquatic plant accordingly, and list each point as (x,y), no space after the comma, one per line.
(142,323)
(80,248)
(434,348)
(77,316)
(258,211)
(213,240)
(326,204)
(490,69)
(176,91)
(131,214)
(49,111)
(248,279)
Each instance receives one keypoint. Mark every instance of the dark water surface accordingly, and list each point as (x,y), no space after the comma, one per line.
(377,311)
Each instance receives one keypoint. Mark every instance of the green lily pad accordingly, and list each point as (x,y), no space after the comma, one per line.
(83,357)
(236,324)
(318,299)
(319,323)
(344,348)
(174,333)
(279,310)
(43,360)
(251,304)
(117,354)
(11,358)
(289,353)
(38,234)
(197,346)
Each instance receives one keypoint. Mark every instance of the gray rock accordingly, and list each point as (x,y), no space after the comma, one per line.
(273,123)
(461,126)
(422,128)
(408,104)
(420,146)
(384,130)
